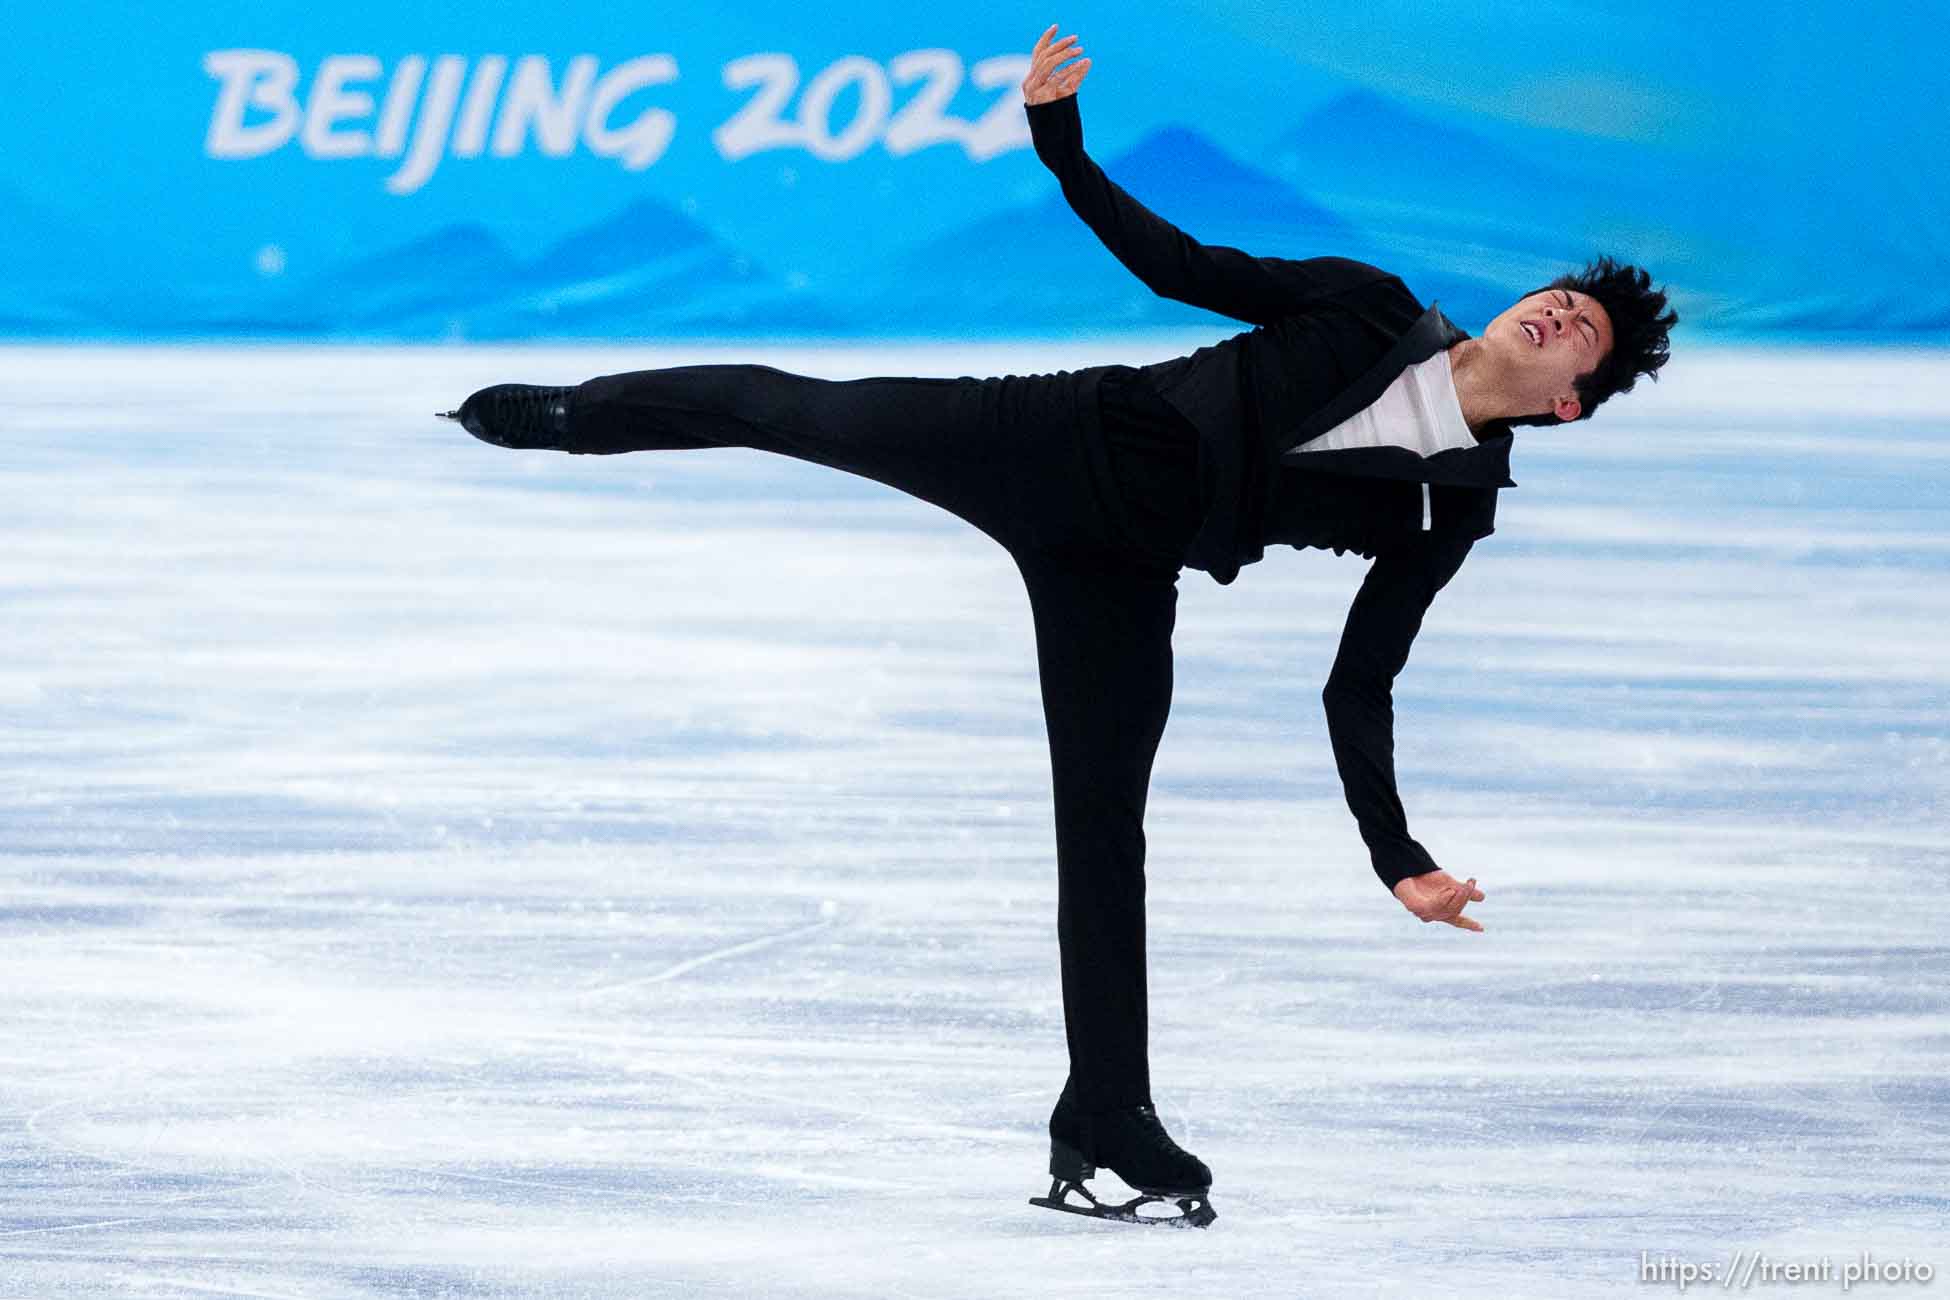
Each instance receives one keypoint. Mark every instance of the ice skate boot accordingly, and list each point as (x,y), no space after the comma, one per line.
(1133,1144)
(526,417)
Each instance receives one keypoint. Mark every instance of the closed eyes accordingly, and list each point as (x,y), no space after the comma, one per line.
(1582,319)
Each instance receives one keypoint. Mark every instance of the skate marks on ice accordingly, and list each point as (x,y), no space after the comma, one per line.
(436,870)
(388,1105)
(689,964)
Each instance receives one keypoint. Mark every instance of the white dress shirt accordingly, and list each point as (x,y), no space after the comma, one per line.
(1419,411)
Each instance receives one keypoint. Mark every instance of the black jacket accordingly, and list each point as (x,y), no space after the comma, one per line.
(1331,334)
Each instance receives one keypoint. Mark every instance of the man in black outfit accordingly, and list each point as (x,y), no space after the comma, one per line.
(1350,418)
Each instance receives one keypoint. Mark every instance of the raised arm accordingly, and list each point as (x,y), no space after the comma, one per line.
(1170,262)
(1359,697)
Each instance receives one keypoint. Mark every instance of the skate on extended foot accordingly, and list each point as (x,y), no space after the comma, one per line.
(526,417)
(1133,1144)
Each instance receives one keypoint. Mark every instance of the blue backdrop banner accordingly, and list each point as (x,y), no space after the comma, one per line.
(502,171)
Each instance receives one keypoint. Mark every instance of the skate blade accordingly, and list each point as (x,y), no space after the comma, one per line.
(1194,1211)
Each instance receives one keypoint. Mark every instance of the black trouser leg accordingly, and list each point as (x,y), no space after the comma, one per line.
(1001,453)
(1103,646)
(1009,455)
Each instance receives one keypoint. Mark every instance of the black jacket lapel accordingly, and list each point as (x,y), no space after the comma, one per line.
(1487,464)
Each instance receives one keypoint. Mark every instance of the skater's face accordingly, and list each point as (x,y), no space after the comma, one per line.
(1548,339)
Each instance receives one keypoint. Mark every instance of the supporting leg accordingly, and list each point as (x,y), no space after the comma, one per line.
(1103,644)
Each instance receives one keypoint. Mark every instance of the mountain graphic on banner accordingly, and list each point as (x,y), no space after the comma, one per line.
(648,267)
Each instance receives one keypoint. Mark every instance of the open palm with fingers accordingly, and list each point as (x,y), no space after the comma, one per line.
(1046,81)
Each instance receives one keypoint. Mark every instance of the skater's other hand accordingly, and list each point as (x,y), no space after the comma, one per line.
(1439,896)
(1044,83)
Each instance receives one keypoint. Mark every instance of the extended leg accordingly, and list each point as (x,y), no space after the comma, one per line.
(986,450)
(1009,454)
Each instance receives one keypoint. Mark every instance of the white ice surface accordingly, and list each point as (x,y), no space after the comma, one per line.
(430,870)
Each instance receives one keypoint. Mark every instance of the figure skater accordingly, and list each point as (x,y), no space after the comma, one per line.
(1351,417)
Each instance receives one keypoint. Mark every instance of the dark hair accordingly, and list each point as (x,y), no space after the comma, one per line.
(1638,332)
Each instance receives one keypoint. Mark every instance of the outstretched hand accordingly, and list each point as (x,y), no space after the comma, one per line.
(1439,896)
(1044,83)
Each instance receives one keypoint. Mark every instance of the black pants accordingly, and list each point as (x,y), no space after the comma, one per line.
(1094,517)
